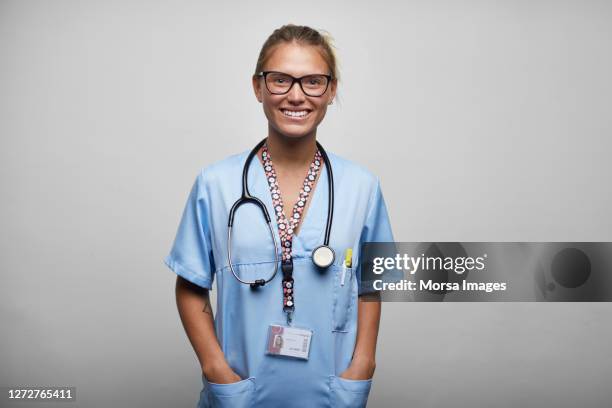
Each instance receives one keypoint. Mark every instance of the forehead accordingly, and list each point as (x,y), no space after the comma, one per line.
(296,59)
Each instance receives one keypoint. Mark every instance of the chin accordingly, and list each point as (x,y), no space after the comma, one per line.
(294,132)
(295,135)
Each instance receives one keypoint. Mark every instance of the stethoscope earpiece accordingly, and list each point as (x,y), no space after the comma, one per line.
(257,283)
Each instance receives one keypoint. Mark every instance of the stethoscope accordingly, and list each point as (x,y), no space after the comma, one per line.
(322,256)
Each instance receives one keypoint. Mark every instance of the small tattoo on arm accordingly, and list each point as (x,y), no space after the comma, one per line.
(207,307)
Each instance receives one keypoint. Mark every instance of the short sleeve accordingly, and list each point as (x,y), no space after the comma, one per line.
(377,228)
(191,254)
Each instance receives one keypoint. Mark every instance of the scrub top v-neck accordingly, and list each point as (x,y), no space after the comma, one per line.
(310,229)
(325,304)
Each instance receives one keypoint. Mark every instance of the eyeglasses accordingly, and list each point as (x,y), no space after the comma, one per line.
(279,83)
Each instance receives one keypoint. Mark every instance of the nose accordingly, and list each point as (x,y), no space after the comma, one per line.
(295,94)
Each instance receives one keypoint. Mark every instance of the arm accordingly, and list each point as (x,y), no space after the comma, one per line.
(377,228)
(196,314)
(364,357)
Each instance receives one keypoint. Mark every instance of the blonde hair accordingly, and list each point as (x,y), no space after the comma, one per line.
(302,35)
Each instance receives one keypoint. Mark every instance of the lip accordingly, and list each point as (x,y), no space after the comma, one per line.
(296,118)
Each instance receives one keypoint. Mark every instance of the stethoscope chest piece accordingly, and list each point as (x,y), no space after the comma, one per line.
(323,256)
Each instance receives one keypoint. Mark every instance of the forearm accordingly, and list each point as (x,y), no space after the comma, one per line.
(363,363)
(368,321)
(196,314)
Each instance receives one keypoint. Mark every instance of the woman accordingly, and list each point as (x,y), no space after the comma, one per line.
(246,352)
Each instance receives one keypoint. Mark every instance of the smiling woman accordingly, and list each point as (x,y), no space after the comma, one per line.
(288,58)
(303,339)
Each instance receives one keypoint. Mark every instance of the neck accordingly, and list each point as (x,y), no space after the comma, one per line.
(291,152)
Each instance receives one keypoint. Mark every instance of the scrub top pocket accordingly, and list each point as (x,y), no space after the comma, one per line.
(234,395)
(349,393)
(345,293)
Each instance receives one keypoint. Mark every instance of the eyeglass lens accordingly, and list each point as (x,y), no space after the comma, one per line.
(312,85)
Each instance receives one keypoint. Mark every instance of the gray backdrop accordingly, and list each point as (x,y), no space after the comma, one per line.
(486,121)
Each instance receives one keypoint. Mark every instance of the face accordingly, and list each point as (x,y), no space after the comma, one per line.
(296,60)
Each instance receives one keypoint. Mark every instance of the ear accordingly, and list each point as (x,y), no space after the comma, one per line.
(332,90)
(257,83)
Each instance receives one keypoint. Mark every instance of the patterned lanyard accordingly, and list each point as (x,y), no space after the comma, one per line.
(286,227)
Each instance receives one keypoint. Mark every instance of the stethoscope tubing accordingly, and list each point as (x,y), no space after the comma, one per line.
(330,194)
(246,197)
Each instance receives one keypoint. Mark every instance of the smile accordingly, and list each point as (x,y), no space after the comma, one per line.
(295,114)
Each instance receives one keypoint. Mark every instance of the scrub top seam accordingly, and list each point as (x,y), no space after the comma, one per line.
(299,257)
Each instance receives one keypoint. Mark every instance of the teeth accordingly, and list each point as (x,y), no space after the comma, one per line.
(295,114)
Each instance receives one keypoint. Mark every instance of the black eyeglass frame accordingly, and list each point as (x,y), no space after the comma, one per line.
(264,74)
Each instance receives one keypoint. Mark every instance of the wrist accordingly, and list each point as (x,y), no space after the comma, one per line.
(364,358)
(364,362)
(361,368)
(213,365)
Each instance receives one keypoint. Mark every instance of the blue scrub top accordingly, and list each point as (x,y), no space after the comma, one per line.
(322,304)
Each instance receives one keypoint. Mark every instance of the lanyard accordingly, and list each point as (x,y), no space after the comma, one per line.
(286,227)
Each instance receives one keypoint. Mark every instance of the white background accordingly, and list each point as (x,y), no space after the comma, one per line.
(486,121)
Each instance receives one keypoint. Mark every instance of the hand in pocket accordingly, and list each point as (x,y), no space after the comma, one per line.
(221,374)
(359,369)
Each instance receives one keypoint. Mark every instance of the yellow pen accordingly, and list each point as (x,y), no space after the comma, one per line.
(348,262)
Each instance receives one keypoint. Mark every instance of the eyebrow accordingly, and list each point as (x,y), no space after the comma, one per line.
(296,76)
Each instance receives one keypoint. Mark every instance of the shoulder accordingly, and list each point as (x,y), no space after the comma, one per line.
(355,172)
(219,171)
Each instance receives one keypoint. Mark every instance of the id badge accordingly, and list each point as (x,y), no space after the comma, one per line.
(289,341)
